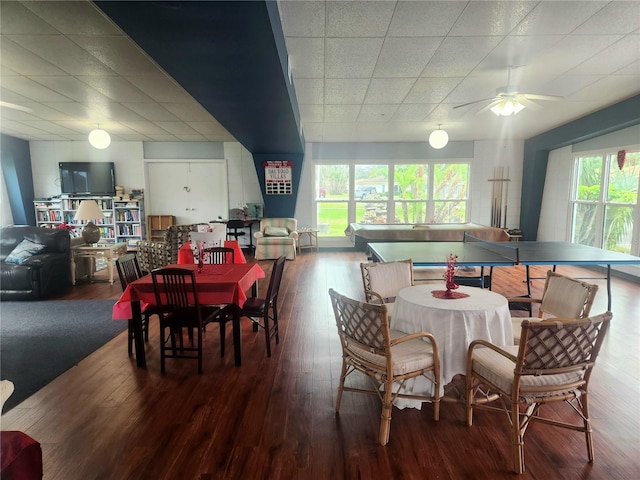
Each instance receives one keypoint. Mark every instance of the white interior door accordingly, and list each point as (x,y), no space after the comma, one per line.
(194,192)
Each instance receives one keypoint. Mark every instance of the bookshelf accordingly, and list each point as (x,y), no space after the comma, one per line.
(124,220)
(157,225)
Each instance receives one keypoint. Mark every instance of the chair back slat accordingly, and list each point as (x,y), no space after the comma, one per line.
(128,269)
(175,288)
(218,255)
(275,280)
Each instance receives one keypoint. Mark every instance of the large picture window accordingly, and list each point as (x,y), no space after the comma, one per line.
(605,202)
(410,193)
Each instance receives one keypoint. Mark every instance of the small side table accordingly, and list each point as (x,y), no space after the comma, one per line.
(312,239)
(108,251)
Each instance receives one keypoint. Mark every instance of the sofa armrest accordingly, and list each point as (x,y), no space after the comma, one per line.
(293,234)
(258,235)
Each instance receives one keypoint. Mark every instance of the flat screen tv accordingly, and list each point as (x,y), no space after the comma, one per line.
(93,178)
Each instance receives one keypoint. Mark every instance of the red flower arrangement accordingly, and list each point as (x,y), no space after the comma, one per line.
(66,226)
(449,281)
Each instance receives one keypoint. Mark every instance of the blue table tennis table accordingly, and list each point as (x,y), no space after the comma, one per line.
(478,253)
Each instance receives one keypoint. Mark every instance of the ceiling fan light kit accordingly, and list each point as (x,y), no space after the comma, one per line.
(99,139)
(438,138)
(507,107)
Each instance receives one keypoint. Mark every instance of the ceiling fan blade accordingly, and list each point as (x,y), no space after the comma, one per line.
(487,107)
(474,102)
(15,107)
(528,103)
(534,96)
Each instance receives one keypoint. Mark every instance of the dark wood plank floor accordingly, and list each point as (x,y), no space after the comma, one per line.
(273,418)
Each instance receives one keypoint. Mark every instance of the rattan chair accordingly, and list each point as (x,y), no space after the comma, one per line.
(387,357)
(562,296)
(177,300)
(386,279)
(128,271)
(552,363)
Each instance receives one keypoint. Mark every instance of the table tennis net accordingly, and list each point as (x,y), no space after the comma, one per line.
(510,252)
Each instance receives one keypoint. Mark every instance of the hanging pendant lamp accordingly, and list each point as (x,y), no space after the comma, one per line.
(438,138)
(99,138)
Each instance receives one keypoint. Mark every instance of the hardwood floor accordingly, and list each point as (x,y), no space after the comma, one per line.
(273,418)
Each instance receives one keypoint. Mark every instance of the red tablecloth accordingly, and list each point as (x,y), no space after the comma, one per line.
(185,254)
(217,284)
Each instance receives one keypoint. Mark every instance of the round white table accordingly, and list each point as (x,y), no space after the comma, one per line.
(454,322)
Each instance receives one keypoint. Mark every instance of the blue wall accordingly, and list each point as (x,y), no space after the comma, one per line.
(16,169)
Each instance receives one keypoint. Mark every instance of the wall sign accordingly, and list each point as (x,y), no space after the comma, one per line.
(278,177)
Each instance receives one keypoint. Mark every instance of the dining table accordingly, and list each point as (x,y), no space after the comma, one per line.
(215,285)
(468,314)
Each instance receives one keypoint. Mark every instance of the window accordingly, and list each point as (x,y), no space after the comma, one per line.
(390,193)
(605,202)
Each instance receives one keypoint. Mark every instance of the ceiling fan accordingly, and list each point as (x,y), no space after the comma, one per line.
(509,100)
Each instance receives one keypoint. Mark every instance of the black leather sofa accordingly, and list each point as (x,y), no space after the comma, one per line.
(40,276)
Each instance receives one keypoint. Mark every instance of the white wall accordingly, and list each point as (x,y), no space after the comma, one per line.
(554,213)
(129,161)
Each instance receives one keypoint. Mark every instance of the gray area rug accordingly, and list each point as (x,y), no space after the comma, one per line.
(40,340)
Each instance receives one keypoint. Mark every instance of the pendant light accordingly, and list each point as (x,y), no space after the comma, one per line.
(438,138)
(99,138)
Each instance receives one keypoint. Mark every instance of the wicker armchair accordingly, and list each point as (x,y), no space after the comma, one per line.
(386,279)
(552,364)
(154,255)
(562,296)
(387,357)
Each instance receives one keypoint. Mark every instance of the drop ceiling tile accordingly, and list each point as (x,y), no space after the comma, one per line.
(190,138)
(302,19)
(518,50)
(307,57)
(50,127)
(145,128)
(23,61)
(189,112)
(176,128)
(120,54)
(571,51)
(351,57)
(616,17)
(345,90)
(458,55)
(424,18)
(388,90)
(211,128)
(377,113)
(74,17)
(341,113)
(15,17)
(161,89)
(608,89)
(72,88)
(549,18)
(116,88)
(358,18)
(153,112)
(611,59)
(431,90)
(65,54)
(311,113)
(491,18)
(33,91)
(414,112)
(309,91)
(405,57)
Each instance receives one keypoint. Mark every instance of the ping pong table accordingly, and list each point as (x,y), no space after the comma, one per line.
(478,253)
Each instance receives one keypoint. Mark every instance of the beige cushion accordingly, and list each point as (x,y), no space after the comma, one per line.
(276,232)
(387,279)
(517,326)
(499,371)
(407,356)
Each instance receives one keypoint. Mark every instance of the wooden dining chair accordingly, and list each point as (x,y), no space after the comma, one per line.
(263,312)
(177,299)
(129,271)
(218,255)
(387,357)
(552,364)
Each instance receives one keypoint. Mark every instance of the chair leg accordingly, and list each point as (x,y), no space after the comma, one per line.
(199,350)
(584,402)
(469,399)
(163,346)
(267,333)
(385,416)
(343,375)
(517,439)
(223,330)
(275,322)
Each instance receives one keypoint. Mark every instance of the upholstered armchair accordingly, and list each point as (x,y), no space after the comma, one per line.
(277,237)
(158,254)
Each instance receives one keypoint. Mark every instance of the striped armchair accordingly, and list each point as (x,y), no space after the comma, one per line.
(158,254)
(277,236)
